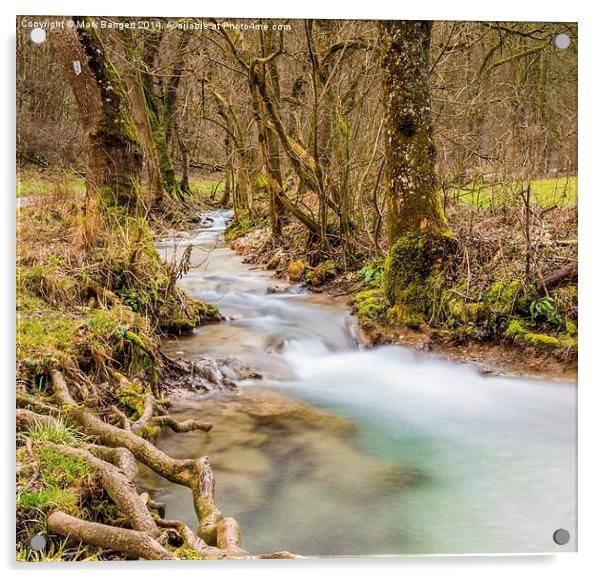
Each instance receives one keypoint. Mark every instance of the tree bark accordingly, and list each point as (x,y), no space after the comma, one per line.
(141,116)
(419,236)
(135,544)
(413,201)
(114,158)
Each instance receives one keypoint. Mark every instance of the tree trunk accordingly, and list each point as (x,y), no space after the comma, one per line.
(161,99)
(418,233)
(413,202)
(133,78)
(114,158)
(185,163)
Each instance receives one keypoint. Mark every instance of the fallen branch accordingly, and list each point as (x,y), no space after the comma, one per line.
(559,277)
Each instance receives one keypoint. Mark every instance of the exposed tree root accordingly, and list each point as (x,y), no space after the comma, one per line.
(135,544)
(120,489)
(120,457)
(113,458)
(27,419)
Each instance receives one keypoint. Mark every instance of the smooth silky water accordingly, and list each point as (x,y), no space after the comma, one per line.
(342,450)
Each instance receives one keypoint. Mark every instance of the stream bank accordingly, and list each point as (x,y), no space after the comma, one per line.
(331,448)
(462,338)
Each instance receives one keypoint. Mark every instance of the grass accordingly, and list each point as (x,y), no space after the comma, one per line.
(52,336)
(49,499)
(38,183)
(57,434)
(546,193)
(61,478)
(206,186)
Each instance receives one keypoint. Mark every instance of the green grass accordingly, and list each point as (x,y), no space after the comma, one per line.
(206,186)
(58,469)
(53,334)
(60,477)
(35,185)
(546,193)
(49,498)
(57,434)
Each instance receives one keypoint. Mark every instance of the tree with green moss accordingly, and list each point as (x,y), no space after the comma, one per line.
(160,92)
(418,233)
(114,158)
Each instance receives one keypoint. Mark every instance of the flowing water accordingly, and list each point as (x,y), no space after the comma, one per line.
(343,450)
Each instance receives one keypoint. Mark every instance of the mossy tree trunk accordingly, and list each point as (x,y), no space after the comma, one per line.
(419,235)
(133,78)
(269,142)
(160,94)
(114,157)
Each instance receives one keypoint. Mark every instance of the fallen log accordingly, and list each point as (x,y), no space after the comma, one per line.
(557,278)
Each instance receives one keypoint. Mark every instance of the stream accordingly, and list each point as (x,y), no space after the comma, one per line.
(342,450)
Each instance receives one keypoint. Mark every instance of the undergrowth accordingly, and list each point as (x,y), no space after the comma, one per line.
(93,300)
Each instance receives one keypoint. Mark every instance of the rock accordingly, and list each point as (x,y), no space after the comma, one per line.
(273,262)
(201,376)
(296,269)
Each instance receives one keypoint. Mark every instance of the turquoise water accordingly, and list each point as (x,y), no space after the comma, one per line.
(394,453)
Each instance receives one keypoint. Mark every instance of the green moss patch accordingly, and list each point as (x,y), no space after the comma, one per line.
(413,283)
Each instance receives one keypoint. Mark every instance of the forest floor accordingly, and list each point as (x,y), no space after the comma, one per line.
(489,315)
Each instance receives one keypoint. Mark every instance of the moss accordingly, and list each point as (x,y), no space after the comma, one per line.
(186,553)
(132,396)
(244,222)
(467,312)
(413,282)
(571,327)
(569,342)
(47,499)
(44,342)
(150,432)
(322,272)
(541,340)
(57,469)
(442,335)
(502,295)
(411,321)
(261,182)
(178,318)
(515,329)
(370,306)
(295,271)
